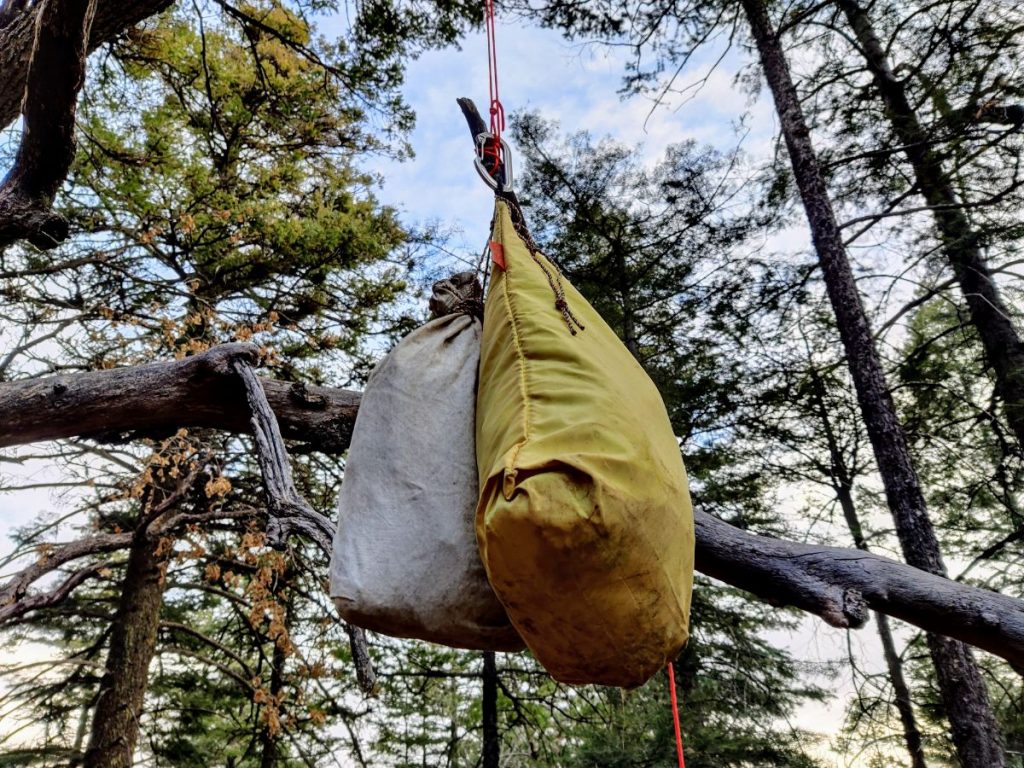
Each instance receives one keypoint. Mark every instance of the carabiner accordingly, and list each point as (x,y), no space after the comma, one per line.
(501,180)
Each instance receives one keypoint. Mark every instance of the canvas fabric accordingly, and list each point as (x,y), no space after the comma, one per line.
(405,559)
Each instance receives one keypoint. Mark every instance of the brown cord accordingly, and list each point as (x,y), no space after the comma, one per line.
(554,277)
(471,307)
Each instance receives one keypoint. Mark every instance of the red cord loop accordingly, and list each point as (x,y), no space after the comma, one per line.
(492,153)
(496,109)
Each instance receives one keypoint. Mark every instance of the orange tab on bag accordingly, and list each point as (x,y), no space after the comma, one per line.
(497,254)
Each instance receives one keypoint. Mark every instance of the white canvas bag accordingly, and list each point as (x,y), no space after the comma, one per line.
(405,560)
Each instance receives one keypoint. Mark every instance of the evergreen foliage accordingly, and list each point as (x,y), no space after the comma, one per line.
(216,197)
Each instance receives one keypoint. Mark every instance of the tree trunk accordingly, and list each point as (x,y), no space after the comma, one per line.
(491,737)
(115,723)
(959,241)
(842,479)
(80,732)
(901,691)
(977,739)
(271,733)
(269,736)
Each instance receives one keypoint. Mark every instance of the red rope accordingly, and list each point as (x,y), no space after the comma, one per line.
(492,152)
(675,714)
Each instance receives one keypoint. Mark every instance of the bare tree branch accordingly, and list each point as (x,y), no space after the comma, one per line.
(18,33)
(174,626)
(56,596)
(836,584)
(839,584)
(56,74)
(289,513)
(52,557)
(43,50)
(199,391)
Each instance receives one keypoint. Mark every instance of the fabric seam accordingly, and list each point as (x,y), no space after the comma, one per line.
(517,343)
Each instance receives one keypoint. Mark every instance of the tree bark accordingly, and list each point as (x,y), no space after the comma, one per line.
(56,74)
(975,734)
(112,17)
(43,50)
(489,707)
(960,242)
(199,391)
(838,585)
(115,724)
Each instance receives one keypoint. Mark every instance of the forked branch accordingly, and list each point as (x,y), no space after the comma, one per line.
(288,513)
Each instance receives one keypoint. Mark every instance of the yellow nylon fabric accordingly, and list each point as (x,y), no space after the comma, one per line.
(584,522)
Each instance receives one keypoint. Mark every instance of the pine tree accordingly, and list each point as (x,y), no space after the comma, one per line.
(805,408)
(975,733)
(933,152)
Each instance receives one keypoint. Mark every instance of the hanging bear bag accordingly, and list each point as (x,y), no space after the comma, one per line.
(405,559)
(584,521)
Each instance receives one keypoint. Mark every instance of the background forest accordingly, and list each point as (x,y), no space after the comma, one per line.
(295,174)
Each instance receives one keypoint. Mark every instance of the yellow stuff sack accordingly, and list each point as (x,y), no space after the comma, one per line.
(584,521)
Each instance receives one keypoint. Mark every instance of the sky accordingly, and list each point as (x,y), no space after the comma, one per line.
(577,85)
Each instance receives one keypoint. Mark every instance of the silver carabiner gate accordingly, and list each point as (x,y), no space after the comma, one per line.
(504,168)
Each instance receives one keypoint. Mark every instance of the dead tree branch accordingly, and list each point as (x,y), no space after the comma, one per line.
(833,583)
(52,557)
(158,393)
(157,399)
(839,584)
(289,513)
(56,74)
(55,596)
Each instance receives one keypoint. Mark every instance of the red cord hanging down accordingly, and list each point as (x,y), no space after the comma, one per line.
(492,152)
(675,714)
